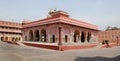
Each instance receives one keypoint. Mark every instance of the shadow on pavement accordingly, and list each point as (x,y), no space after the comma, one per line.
(117,58)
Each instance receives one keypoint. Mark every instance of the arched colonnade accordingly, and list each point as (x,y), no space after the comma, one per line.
(40,35)
(82,36)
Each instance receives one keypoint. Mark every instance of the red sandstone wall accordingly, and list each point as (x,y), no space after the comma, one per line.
(77,47)
(43,46)
(61,48)
(109,35)
(67,29)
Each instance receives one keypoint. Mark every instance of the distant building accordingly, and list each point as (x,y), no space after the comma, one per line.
(59,28)
(10,31)
(113,35)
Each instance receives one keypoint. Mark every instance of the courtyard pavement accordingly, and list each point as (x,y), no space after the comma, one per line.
(10,52)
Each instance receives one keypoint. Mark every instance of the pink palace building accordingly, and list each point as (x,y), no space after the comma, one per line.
(59,29)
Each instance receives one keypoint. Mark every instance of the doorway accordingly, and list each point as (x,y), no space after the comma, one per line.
(66,38)
(53,38)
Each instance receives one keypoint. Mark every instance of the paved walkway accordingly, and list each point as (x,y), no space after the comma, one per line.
(10,52)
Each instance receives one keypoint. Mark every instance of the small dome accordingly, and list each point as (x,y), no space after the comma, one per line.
(51,11)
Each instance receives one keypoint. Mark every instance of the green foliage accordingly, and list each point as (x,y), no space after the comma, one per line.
(105,42)
(15,39)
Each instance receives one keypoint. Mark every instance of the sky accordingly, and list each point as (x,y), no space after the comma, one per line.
(102,13)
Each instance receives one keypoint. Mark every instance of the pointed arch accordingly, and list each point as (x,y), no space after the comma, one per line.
(88,36)
(36,35)
(76,35)
(6,38)
(31,35)
(82,37)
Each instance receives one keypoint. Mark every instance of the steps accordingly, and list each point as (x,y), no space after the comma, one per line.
(21,44)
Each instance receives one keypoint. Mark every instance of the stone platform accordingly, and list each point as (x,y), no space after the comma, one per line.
(54,46)
(64,46)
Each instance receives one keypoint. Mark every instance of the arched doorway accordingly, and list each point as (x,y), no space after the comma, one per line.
(25,38)
(66,38)
(82,36)
(43,35)
(36,35)
(2,38)
(13,38)
(19,38)
(88,37)
(53,38)
(31,35)
(76,36)
(6,38)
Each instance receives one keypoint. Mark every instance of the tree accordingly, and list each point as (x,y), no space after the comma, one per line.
(111,28)
(107,43)
(108,28)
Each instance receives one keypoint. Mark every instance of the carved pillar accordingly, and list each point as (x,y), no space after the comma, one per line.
(80,38)
(71,34)
(3,36)
(60,39)
(96,38)
(48,37)
(86,37)
(39,36)
(34,37)
(91,38)
(76,38)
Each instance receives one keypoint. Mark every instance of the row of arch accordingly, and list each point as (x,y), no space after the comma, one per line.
(78,36)
(82,37)
(36,35)
(5,38)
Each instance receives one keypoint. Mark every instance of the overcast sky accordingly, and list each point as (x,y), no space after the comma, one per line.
(102,13)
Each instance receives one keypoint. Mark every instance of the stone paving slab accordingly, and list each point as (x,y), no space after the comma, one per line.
(10,52)
(10,57)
